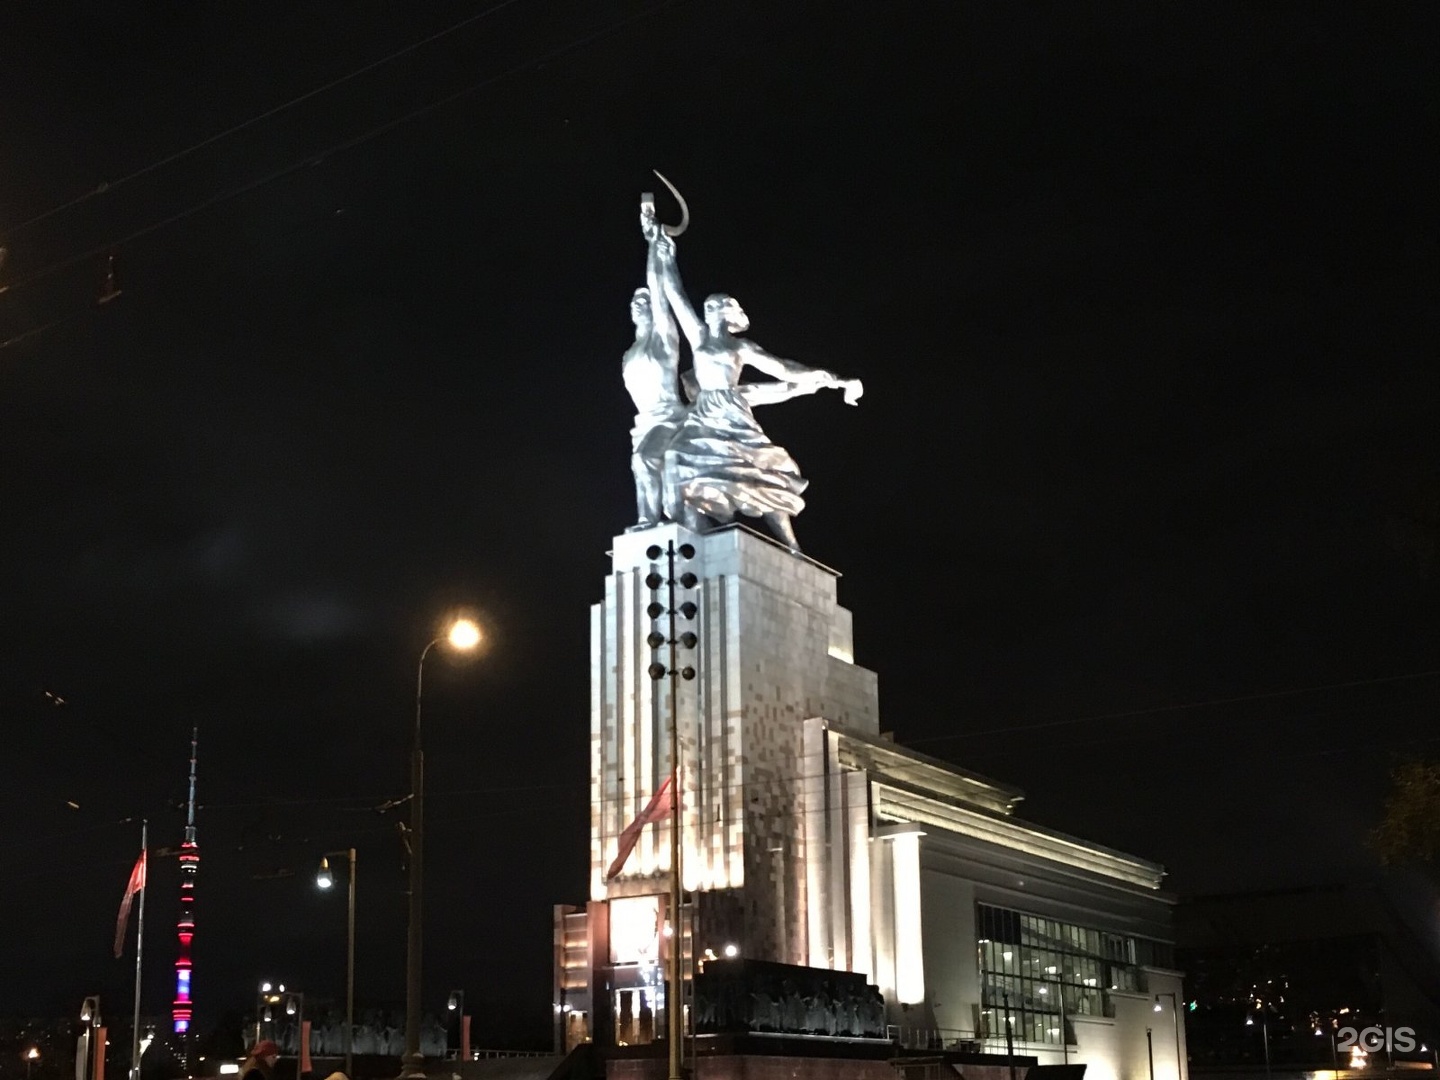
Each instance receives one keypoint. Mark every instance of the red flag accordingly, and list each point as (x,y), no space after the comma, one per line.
(657,809)
(137,882)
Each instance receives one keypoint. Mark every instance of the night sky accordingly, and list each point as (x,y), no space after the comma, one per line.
(1144,299)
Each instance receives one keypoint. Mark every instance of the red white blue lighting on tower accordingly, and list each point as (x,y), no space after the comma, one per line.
(185,926)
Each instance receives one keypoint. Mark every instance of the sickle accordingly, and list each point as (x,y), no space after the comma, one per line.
(675,230)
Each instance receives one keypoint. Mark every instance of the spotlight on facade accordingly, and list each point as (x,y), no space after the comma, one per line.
(323,877)
(731,951)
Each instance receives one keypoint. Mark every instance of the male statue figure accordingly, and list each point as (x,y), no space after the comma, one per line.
(651,372)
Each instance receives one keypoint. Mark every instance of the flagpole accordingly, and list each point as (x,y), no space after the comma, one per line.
(139,951)
(676,998)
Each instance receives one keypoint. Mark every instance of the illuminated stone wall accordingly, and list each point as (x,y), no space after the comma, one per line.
(775,649)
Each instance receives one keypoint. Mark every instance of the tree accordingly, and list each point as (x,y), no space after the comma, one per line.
(1410,829)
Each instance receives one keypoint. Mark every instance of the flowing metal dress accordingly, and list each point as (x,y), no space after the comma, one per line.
(720,461)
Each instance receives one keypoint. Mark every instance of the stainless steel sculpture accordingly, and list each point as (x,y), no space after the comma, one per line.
(715,460)
(650,369)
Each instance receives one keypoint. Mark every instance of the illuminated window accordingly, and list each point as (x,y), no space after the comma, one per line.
(1032,966)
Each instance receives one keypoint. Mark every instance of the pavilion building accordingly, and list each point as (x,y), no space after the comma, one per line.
(811,839)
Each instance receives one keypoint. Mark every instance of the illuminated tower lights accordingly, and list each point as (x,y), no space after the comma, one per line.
(185,926)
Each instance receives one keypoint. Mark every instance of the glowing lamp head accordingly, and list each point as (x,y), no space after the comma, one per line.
(33,1054)
(463,635)
(1157,1006)
(264,987)
(453,1003)
(731,951)
(323,877)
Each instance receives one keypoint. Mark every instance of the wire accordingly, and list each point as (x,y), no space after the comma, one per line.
(105,187)
(315,158)
(34,331)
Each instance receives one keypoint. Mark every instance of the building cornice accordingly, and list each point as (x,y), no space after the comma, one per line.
(898,802)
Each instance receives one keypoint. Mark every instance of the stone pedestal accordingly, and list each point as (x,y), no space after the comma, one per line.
(774,651)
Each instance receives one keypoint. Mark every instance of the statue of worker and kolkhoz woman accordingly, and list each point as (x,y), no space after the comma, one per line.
(698,455)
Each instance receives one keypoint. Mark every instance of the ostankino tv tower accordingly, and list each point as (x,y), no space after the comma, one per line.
(185,927)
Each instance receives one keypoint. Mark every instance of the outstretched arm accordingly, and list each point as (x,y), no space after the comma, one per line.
(663,249)
(806,379)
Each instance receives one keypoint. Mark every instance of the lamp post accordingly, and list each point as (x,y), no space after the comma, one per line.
(456,1004)
(462,636)
(90,1038)
(1264,1034)
(1175,1011)
(325,879)
(31,1056)
(265,996)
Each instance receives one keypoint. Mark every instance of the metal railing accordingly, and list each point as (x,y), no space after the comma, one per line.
(934,1038)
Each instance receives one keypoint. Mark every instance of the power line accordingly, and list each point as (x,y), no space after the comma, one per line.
(316,157)
(105,187)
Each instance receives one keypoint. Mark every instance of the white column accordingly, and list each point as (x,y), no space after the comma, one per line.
(904,843)
(862,948)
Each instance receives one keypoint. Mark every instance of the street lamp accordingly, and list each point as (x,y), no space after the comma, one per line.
(262,1010)
(271,995)
(325,879)
(1264,1033)
(31,1056)
(90,1049)
(456,1005)
(1175,1015)
(462,635)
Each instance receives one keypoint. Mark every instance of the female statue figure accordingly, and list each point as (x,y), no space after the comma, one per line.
(719,463)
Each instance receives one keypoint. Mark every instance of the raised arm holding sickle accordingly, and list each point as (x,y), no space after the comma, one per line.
(720,463)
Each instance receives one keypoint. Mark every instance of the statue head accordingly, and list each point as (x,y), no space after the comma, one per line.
(724,312)
(640,313)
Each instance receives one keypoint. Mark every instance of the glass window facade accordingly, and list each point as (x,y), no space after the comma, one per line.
(1039,971)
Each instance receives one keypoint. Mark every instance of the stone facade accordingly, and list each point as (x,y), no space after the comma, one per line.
(774,649)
